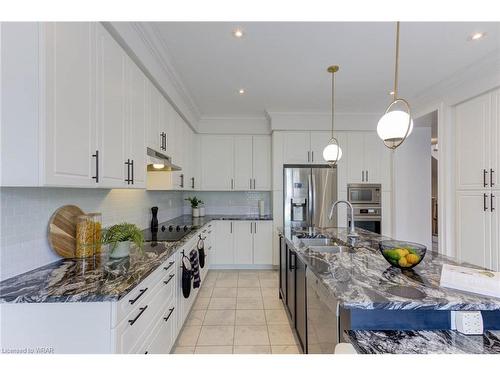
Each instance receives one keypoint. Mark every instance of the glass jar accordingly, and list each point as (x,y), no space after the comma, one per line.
(85,245)
(97,221)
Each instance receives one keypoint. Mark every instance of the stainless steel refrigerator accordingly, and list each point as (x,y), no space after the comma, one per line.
(309,191)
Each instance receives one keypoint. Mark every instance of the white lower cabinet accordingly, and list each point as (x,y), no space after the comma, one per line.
(243,243)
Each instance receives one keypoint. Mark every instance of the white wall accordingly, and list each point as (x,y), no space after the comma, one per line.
(25,213)
(412,189)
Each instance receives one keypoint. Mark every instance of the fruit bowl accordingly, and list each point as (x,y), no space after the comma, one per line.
(402,254)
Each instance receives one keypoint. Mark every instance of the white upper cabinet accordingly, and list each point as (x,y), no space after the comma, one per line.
(356,157)
(319,140)
(235,162)
(473,119)
(111,116)
(154,136)
(495,141)
(296,148)
(217,162)
(243,173)
(70,124)
(261,162)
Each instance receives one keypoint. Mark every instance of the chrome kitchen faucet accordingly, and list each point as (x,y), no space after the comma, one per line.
(352,231)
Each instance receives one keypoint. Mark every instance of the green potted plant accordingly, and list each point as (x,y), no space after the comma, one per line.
(195,203)
(120,237)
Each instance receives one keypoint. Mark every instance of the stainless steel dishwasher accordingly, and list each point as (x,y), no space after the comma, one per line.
(323,320)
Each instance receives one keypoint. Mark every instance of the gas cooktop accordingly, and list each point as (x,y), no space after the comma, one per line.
(168,233)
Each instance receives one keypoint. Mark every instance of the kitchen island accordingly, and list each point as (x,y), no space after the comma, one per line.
(363,292)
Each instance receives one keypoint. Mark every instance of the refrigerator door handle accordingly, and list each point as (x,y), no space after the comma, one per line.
(311,199)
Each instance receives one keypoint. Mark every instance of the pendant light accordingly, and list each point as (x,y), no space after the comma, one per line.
(332,152)
(396,124)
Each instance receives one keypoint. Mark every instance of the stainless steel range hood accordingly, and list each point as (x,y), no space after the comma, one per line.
(159,162)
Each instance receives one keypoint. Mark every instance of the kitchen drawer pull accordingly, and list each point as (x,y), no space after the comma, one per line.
(96,156)
(132,321)
(492,208)
(485,207)
(491,177)
(170,278)
(132,166)
(142,291)
(169,314)
(485,173)
(170,264)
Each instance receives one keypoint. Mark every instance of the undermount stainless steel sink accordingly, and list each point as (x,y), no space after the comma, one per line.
(317,241)
(335,249)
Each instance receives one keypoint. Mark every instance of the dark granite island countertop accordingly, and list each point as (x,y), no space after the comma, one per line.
(423,342)
(362,279)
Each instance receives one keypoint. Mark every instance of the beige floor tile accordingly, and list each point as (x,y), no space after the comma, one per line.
(249,304)
(269,283)
(226,283)
(214,350)
(222,303)
(205,291)
(252,349)
(216,336)
(272,303)
(195,318)
(227,275)
(285,349)
(248,275)
(250,317)
(248,283)
(281,335)
(201,303)
(219,317)
(251,335)
(276,317)
(270,292)
(249,293)
(189,336)
(183,350)
(268,274)
(225,292)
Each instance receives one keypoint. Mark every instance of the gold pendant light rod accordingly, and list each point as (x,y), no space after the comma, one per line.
(333,69)
(396,70)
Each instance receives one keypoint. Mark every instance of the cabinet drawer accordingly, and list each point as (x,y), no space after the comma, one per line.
(137,295)
(163,334)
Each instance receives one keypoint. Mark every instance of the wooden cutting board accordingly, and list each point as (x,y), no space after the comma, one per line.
(62,230)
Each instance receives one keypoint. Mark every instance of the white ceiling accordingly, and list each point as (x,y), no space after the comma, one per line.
(282,65)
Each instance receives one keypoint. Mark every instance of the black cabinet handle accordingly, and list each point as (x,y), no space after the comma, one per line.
(170,313)
(170,278)
(132,321)
(485,207)
(491,177)
(192,182)
(485,173)
(290,257)
(132,167)
(492,196)
(142,291)
(96,156)
(182,180)
(127,163)
(170,264)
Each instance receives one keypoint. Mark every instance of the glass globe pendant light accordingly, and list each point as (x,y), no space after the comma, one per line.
(332,152)
(396,124)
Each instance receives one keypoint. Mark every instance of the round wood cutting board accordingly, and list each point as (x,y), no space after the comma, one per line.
(62,230)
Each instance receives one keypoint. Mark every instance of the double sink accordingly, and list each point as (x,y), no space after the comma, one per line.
(324,245)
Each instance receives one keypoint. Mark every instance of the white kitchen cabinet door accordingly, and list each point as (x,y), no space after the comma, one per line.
(70,104)
(356,157)
(262,162)
(263,242)
(296,148)
(179,178)
(372,158)
(342,164)
(217,162)
(495,140)
(278,139)
(243,163)
(495,233)
(319,140)
(136,86)
(224,234)
(153,124)
(111,107)
(472,126)
(196,155)
(473,226)
(243,242)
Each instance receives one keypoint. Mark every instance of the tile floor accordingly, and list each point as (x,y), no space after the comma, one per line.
(237,312)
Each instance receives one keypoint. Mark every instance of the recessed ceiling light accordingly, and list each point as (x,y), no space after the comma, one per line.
(241,91)
(238,33)
(477,36)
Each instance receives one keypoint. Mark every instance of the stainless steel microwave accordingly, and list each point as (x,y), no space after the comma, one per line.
(364,193)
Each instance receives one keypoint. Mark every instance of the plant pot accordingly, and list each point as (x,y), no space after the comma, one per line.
(196,212)
(121,250)
(202,211)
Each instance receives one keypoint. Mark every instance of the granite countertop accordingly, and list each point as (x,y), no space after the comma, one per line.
(423,342)
(361,278)
(100,279)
